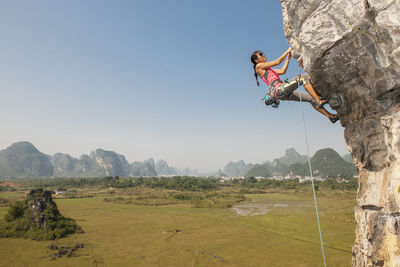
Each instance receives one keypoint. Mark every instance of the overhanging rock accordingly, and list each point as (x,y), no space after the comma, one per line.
(351,50)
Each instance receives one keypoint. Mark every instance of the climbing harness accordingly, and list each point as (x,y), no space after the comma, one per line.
(268,99)
(311,173)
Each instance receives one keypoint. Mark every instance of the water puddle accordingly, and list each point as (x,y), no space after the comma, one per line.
(256,209)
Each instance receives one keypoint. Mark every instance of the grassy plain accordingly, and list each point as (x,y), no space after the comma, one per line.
(144,232)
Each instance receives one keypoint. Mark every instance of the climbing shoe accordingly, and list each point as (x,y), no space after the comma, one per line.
(334,119)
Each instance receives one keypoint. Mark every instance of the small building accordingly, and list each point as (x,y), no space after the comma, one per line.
(60,191)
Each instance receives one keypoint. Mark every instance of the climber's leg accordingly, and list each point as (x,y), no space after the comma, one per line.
(325,112)
(286,89)
(332,117)
(295,96)
(310,89)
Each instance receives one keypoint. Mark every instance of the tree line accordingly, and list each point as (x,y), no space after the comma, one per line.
(189,183)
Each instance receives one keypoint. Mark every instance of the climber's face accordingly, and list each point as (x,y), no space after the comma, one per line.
(261,57)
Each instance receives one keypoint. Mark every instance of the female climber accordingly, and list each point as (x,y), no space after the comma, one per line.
(279,90)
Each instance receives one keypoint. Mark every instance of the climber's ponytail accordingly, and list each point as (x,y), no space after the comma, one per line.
(253,59)
(255,75)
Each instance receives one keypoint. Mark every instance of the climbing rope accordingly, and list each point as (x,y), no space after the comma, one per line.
(311,173)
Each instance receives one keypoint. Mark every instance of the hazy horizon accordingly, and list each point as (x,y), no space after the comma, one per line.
(157,159)
(168,80)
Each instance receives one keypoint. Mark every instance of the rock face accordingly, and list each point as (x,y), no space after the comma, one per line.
(351,50)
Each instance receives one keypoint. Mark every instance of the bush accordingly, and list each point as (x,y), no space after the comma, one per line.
(16,211)
(4,201)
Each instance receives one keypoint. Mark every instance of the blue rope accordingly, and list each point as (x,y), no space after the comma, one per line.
(311,174)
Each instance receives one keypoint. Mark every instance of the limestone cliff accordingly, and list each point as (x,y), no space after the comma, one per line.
(351,50)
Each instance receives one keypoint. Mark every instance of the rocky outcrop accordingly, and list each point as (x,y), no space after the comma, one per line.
(37,218)
(38,200)
(351,50)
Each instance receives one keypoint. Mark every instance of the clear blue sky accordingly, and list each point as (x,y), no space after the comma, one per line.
(170,80)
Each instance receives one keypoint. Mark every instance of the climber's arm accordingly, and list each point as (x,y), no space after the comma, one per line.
(285,66)
(300,62)
(269,64)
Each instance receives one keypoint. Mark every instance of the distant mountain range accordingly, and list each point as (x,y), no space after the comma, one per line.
(325,162)
(23,159)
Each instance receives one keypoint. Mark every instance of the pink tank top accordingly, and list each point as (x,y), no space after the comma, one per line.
(270,76)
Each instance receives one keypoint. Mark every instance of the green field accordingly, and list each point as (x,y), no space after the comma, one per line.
(170,234)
